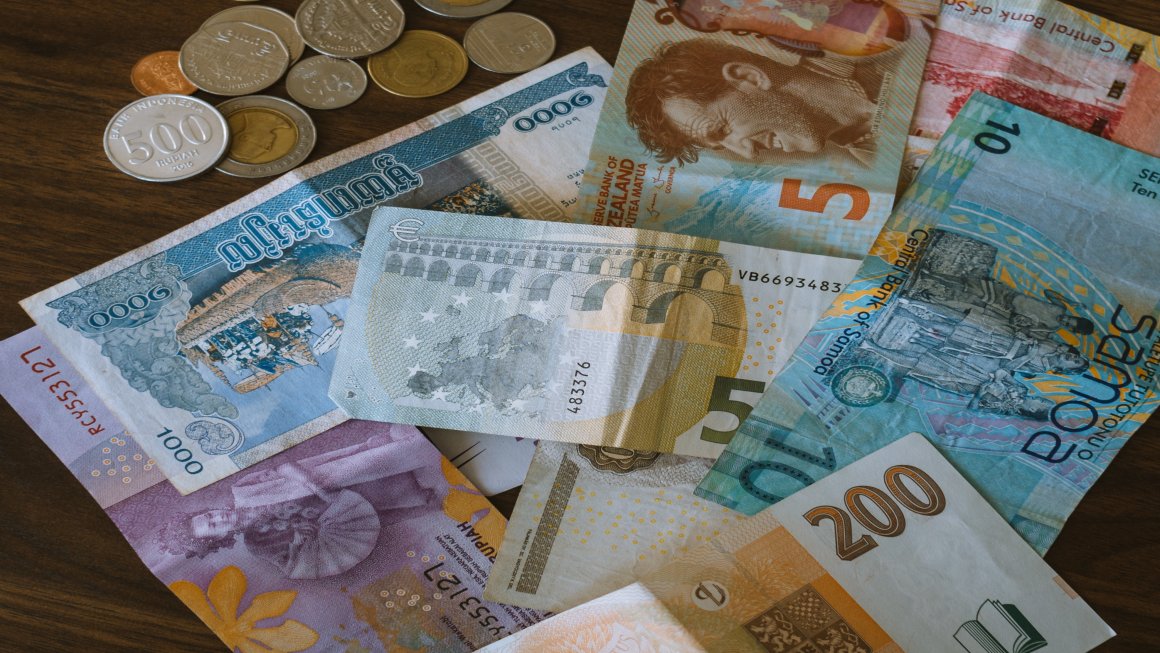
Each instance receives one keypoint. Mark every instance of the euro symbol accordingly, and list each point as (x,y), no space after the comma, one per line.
(407,230)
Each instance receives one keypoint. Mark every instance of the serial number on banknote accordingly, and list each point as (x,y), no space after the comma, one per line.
(446,581)
(790,281)
(579,382)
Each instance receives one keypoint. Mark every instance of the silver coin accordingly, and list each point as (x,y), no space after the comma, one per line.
(166,137)
(275,20)
(268,136)
(349,28)
(510,42)
(233,58)
(324,82)
(463,9)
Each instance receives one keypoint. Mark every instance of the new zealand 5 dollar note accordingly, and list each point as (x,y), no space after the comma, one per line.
(214,345)
(1008,312)
(778,124)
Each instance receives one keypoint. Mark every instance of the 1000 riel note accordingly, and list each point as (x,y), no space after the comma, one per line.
(580,333)
(364,538)
(896,552)
(1008,312)
(215,344)
(590,520)
(779,124)
(1056,60)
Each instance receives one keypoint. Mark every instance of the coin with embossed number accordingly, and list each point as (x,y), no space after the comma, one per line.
(510,42)
(277,21)
(166,137)
(234,58)
(463,8)
(324,82)
(268,135)
(423,63)
(349,28)
(158,73)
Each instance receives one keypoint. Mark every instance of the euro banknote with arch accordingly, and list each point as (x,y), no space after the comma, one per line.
(214,345)
(1008,312)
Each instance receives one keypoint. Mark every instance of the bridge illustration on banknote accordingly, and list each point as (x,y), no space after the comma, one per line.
(654,277)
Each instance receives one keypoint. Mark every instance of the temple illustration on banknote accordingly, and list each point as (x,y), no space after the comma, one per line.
(259,325)
(954,327)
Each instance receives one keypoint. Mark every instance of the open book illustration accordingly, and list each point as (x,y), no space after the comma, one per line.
(999,628)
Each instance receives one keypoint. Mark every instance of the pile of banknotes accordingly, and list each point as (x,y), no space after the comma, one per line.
(825,317)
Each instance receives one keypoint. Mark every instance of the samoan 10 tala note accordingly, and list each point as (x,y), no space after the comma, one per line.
(778,124)
(896,552)
(1061,62)
(1008,312)
(223,334)
(580,333)
(362,538)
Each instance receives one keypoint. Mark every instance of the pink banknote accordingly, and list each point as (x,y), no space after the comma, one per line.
(363,538)
(1070,65)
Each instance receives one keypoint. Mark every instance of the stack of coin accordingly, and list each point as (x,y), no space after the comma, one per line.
(245,49)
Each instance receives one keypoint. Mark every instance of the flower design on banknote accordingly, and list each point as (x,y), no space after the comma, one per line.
(617,460)
(215,437)
(218,608)
(804,622)
(579,77)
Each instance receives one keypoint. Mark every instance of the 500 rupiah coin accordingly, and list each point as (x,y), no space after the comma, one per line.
(421,64)
(166,137)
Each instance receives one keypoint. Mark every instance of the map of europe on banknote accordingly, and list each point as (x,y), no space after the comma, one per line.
(579,333)
(1008,312)
(1071,65)
(215,344)
(779,124)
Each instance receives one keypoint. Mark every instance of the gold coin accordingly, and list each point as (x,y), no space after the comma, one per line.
(420,64)
(159,73)
(259,135)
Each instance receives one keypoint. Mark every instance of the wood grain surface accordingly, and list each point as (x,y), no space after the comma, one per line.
(68,580)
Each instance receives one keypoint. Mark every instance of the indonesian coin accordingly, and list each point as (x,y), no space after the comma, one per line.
(421,64)
(278,22)
(268,135)
(166,137)
(234,58)
(509,42)
(158,73)
(324,82)
(349,28)
(463,8)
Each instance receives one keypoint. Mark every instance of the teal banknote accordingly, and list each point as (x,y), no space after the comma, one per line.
(1008,312)
(214,345)
(579,333)
(779,124)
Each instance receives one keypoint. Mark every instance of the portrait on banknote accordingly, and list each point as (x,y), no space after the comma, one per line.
(744,121)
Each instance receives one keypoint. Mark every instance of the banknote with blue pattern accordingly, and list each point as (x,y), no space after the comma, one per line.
(1008,312)
(214,345)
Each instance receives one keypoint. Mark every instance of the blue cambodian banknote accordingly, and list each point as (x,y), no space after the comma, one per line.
(579,333)
(778,124)
(1008,312)
(214,345)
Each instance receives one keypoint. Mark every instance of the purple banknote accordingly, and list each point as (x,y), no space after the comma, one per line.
(363,538)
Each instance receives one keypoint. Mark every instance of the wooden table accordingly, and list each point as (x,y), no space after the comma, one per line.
(68,580)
